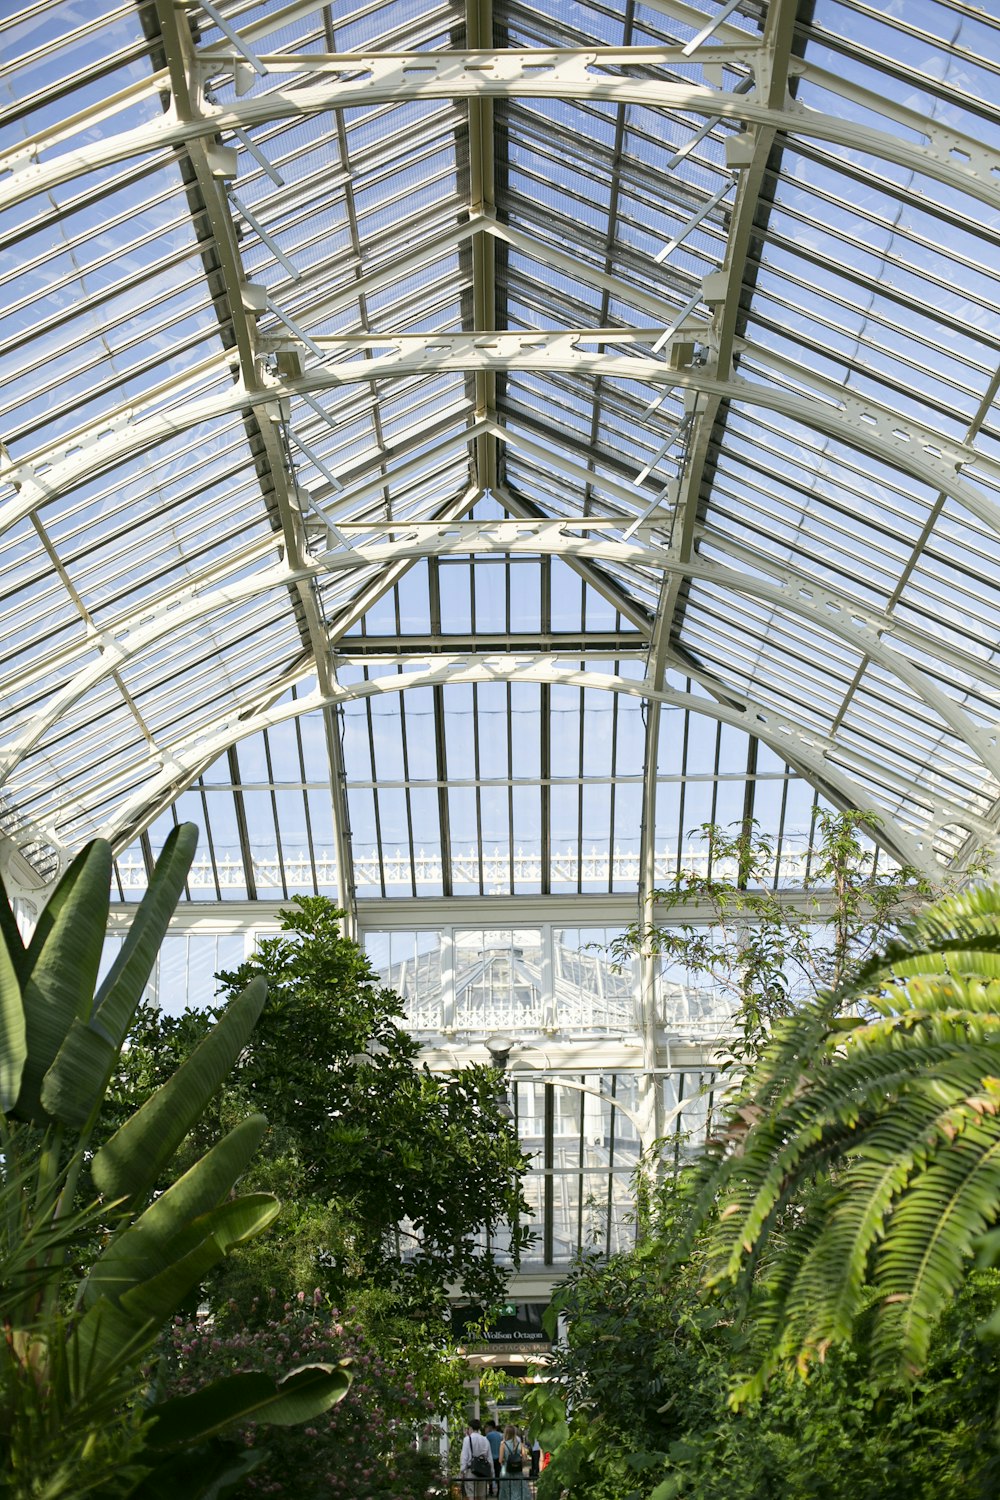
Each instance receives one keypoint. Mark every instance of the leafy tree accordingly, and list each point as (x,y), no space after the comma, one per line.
(77,1332)
(390,1172)
(761,951)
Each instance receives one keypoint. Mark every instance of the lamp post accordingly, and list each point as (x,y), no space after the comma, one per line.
(500,1046)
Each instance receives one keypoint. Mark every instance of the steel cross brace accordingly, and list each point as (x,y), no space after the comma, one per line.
(351,504)
(353,80)
(508,537)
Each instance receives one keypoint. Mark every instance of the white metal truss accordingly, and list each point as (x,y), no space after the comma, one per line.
(271,373)
(833,612)
(865,425)
(210,168)
(355,80)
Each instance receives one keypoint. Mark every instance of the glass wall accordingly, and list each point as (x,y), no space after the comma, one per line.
(183,976)
(537,979)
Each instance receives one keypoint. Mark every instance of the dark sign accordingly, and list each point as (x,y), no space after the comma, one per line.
(518,1326)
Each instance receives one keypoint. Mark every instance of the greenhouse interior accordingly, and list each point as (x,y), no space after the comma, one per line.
(500,599)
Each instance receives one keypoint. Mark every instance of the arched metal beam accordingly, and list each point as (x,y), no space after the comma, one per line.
(836,615)
(351,501)
(864,425)
(788,739)
(357,80)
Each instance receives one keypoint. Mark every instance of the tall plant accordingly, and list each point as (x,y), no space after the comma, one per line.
(364,1140)
(863,1172)
(759,951)
(75,1341)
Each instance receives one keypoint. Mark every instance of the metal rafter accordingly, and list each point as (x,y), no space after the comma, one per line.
(771,79)
(210,172)
(720,341)
(827,610)
(482,206)
(885,434)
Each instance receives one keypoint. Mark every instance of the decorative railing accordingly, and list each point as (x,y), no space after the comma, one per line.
(399,871)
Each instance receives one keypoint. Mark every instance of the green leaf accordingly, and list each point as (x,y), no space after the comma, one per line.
(76,1081)
(148,1245)
(195,1251)
(10,935)
(106,1339)
(644,1460)
(13,1033)
(304,1394)
(209,1471)
(122,987)
(78,1077)
(64,956)
(128,1164)
(110,1335)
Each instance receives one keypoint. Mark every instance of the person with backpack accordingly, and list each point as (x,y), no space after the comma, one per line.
(476,1463)
(514,1460)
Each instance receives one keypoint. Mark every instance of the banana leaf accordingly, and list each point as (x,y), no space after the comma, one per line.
(10,936)
(63,957)
(128,1165)
(209,1471)
(13,1031)
(148,1245)
(76,1081)
(305,1393)
(195,1251)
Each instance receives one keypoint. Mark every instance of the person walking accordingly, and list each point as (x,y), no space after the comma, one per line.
(494,1437)
(476,1463)
(514,1460)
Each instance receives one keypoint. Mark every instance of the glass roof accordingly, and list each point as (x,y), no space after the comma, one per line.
(455,449)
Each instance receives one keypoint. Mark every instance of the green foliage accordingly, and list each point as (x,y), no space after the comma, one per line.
(362,1139)
(360,1449)
(867,1154)
(848,1350)
(75,1338)
(649,1366)
(763,953)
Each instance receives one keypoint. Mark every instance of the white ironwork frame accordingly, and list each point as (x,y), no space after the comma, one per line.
(791,741)
(352,80)
(864,425)
(835,613)
(269,373)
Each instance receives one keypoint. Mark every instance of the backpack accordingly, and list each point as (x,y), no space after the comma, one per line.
(480,1464)
(515,1459)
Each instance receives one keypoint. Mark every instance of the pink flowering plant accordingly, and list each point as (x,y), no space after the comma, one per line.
(360,1449)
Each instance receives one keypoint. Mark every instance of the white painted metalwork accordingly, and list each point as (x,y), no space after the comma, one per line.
(348,82)
(328,329)
(865,425)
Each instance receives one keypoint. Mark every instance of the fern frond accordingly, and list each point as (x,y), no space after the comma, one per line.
(868,1152)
